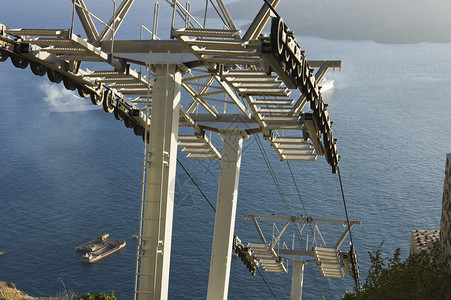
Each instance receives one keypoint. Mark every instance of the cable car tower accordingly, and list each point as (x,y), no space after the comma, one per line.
(238,84)
(271,255)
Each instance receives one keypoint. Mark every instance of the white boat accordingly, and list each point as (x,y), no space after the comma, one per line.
(106,248)
(326,84)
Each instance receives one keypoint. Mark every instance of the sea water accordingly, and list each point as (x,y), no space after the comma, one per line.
(67,176)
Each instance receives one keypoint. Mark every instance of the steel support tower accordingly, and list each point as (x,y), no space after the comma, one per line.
(229,175)
(155,241)
(235,85)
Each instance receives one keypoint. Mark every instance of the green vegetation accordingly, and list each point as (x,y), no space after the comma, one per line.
(89,296)
(420,276)
(97,296)
(8,291)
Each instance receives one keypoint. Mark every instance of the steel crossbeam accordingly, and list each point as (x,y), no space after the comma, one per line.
(236,86)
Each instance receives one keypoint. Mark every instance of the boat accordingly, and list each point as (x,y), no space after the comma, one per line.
(99,247)
(111,247)
(94,244)
(252,67)
(326,85)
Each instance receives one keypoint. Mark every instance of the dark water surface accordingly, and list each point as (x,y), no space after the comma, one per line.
(65,177)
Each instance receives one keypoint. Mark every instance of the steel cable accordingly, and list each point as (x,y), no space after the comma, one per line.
(195,183)
(347,218)
(209,202)
(302,201)
(276,182)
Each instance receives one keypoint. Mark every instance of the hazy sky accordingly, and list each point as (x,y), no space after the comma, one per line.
(389,21)
(58,14)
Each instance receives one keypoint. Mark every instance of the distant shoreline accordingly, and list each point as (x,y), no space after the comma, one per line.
(347,36)
(375,39)
(383,42)
(394,22)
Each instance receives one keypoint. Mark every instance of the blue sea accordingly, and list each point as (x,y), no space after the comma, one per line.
(67,176)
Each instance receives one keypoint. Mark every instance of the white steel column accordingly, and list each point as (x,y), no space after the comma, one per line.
(218,282)
(297,279)
(160,185)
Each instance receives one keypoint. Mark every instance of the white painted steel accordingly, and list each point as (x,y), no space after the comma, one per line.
(216,46)
(159,197)
(297,279)
(260,21)
(268,258)
(221,254)
(328,261)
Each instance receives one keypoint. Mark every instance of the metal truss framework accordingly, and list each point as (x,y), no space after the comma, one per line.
(220,68)
(237,86)
(329,260)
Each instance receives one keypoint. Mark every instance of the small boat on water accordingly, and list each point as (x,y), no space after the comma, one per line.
(110,248)
(326,85)
(98,248)
(94,244)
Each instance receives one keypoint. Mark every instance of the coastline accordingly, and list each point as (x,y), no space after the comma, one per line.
(9,291)
(395,22)
(379,38)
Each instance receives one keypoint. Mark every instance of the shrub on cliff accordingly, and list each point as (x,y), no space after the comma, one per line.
(98,296)
(421,276)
